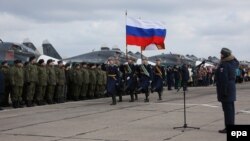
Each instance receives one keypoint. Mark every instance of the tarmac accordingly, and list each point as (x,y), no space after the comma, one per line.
(97,120)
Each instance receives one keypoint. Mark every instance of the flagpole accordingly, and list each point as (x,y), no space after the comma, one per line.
(141,55)
(126,34)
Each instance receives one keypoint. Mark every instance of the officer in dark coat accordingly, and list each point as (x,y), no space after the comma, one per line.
(158,78)
(112,82)
(1,88)
(130,78)
(145,78)
(225,84)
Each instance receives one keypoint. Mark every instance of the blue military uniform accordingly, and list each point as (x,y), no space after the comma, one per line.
(120,81)
(130,78)
(158,78)
(112,82)
(226,89)
(177,77)
(145,76)
(170,78)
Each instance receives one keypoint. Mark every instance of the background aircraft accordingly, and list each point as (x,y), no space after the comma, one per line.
(10,51)
(172,59)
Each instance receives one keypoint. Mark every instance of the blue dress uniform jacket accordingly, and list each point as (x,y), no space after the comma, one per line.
(112,80)
(130,77)
(145,78)
(225,81)
(158,78)
(119,77)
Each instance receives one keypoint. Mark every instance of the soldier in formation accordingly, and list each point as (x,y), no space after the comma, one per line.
(85,82)
(145,78)
(5,69)
(76,79)
(60,83)
(119,77)
(30,73)
(112,82)
(17,81)
(51,82)
(42,79)
(158,78)
(131,79)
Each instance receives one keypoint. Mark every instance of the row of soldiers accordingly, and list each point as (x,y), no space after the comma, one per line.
(45,83)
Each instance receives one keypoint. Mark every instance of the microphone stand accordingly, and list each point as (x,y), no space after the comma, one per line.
(185,126)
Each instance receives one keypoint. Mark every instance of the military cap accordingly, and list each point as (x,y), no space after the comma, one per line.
(17,61)
(40,61)
(32,58)
(59,62)
(111,58)
(67,64)
(117,58)
(98,65)
(50,61)
(26,63)
(83,63)
(226,52)
(77,64)
(4,62)
(158,59)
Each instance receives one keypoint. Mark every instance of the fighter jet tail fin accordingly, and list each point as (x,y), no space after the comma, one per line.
(49,50)
(30,45)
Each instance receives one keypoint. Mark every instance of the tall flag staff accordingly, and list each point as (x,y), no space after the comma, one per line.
(126,14)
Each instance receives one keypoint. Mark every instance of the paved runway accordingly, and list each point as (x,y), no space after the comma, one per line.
(96,120)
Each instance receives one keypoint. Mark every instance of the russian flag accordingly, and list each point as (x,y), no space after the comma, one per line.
(143,33)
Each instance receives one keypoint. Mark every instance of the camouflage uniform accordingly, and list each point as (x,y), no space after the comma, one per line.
(76,78)
(99,82)
(30,73)
(7,89)
(92,83)
(51,84)
(85,84)
(61,80)
(17,81)
(68,89)
(41,86)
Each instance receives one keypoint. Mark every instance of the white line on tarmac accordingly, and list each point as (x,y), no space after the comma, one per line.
(180,104)
(244,111)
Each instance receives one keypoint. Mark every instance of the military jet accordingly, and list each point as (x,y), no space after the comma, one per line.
(10,51)
(99,57)
(172,59)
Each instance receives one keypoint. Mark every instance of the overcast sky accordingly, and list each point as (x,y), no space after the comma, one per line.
(200,27)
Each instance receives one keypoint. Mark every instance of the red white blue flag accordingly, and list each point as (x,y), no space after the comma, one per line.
(143,33)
